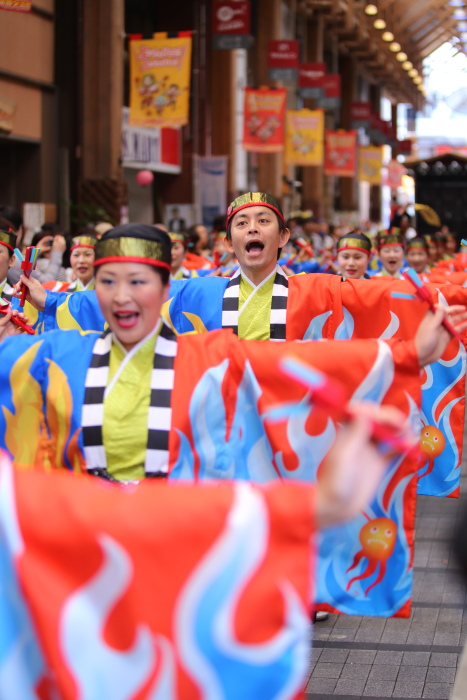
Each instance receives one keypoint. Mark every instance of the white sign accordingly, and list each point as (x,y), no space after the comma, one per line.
(150,149)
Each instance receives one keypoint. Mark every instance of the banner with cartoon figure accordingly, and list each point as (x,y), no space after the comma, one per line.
(263,128)
(304,140)
(340,153)
(160,592)
(370,164)
(160,82)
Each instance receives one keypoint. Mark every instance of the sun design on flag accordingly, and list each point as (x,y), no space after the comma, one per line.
(378,539)
(432,443)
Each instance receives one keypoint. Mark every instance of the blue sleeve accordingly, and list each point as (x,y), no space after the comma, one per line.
(79,311)
(17,391)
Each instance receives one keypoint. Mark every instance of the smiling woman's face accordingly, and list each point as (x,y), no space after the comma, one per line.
(130,296)
(82,263)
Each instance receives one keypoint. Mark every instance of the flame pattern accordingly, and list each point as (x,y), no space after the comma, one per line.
(203,645)
(224,668)
(247,455)
(22,664)
(98,670)
(437,408)
(441,393)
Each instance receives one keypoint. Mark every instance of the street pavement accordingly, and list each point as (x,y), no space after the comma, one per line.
(370,657)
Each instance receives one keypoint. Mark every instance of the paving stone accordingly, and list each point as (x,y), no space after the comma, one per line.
(394,637)
(416,658)
(343,636)
(383,672)
(321,686)
(406,689)
(437,691)
(369,636)
(361,656)
(437,674)
(338,656)
(347,686)
(392,658)
(379,689)
(328,670)
(348,621)
(355,671)
(445,660)
(444,639)
(410,674)
(315,654)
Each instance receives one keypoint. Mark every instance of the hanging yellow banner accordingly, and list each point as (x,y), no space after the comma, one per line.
(160,82)
(304,137)
(370,164)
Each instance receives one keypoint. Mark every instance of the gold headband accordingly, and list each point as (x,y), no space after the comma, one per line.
(83,241)
(251,199)
(132,250)
(8,239)
(177,238)
(349,242)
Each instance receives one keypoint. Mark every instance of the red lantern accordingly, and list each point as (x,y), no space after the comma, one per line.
(144,177)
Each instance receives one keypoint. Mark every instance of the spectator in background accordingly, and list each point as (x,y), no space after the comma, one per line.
(451,245)
(417,255)
(199,236)
(176,223)
(52,247)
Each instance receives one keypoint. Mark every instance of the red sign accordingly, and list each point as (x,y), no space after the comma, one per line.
(360,111)
(340,153)
(263,129)
(405,147)
(441,150)
(283,54)
(311,75)
(232,17)
(332,85)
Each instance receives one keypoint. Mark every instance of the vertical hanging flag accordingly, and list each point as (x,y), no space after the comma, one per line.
(360,113)
(370,164)
(310,80)
(332,92)
(160,81)
(263,128)
(304,141)
(340,153)
(212,187)
(232,24)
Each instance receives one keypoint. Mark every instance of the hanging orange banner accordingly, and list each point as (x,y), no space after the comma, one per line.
(263,129)
(160,82)
(16,5)
(340,157)
(370,164)
(304,140)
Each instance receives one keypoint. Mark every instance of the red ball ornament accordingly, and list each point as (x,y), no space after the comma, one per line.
(144,177)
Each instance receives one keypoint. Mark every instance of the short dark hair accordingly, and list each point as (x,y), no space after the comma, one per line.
(12,215)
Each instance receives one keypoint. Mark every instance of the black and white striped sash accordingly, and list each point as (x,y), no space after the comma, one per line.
(159,414)
(280,292)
